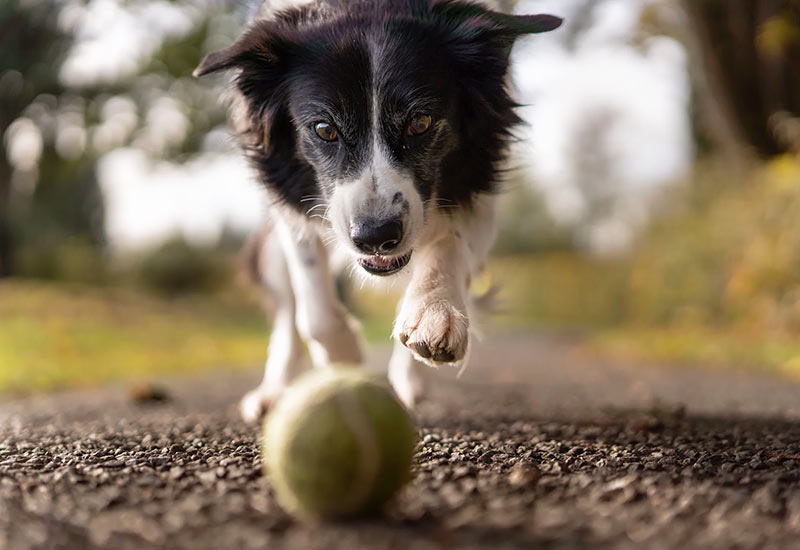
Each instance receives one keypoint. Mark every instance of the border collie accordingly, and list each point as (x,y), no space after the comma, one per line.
(378,127)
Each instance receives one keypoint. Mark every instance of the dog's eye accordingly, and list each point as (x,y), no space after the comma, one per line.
(326,131)
(419,125)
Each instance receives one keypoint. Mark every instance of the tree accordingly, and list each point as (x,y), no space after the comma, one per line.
(745,63)
(31,47)
(57,198)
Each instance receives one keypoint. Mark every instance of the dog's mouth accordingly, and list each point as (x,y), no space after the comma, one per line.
(384,265)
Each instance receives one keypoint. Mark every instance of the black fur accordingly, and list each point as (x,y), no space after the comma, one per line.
(324,62)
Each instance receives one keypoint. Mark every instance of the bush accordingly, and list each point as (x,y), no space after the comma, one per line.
(724,250)
(74,260)
(179,268)
(729,252)
(526,224)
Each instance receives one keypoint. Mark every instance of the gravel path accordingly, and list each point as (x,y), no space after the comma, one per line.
(537,446)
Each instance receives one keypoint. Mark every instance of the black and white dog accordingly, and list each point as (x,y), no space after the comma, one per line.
(378,127)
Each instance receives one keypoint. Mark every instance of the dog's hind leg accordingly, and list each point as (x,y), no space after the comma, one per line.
(405,375)
(268,267)
(330,332)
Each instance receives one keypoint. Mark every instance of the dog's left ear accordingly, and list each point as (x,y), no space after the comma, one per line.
(502,27)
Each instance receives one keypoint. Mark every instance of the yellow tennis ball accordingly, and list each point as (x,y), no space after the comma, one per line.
(337,444)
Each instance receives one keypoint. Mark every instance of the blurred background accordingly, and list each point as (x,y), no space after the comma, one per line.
(654,208)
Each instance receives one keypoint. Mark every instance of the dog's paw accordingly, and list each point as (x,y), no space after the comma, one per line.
(435,331)
(255,404)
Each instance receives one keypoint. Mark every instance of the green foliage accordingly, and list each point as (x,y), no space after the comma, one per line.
(715,277)
(60,200)
(74,260)
(562,289)
(723,250)
(65,205)
(730,253)
(31,48)
(176,267)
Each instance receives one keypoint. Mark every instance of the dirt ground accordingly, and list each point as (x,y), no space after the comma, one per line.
(537,446)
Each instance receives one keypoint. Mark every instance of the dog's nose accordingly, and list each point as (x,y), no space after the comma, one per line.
(377,236)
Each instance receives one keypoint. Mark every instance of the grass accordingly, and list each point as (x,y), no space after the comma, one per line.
(561,290)
(708,346)
(54,335)
(57,335)
(592,296)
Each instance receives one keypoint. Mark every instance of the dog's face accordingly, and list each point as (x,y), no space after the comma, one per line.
(374,119)
(374,116)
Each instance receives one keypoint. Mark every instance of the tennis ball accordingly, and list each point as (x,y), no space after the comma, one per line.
(337,444)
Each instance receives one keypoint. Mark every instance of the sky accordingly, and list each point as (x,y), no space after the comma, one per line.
(643,93)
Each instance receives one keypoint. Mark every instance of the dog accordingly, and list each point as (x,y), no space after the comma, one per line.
(378,128)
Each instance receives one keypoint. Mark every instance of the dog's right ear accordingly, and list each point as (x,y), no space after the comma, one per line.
(218,61)
(254,46)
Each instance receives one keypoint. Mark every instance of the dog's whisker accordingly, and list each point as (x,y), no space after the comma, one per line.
(312,198)
(314,208)
(353,271)
(439,202)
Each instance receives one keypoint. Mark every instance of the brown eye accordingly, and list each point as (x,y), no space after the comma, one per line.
(419,125)
(326,131)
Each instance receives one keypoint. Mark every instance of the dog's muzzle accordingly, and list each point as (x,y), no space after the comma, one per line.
(384,265)
(377,236)
(378,239)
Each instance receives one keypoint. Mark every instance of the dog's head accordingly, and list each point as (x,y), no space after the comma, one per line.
(373,114)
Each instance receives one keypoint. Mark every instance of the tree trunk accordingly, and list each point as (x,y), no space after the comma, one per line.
(747,54)
(6,240)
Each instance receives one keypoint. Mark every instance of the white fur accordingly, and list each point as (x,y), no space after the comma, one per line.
(295,272)
(433,313)
(369,197)
(322,320)
(404,375)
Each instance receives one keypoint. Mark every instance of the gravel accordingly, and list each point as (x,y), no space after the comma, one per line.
(540,445)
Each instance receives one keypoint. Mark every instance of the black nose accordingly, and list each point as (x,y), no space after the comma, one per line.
(376,236)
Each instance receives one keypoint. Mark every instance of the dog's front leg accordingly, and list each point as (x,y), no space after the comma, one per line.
(432,321)
(331,334)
